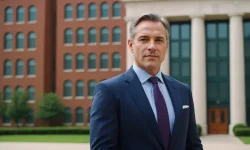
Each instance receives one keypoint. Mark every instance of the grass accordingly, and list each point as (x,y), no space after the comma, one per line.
(45,138)
(245,139)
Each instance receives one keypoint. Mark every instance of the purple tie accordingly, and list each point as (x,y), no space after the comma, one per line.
(162,113)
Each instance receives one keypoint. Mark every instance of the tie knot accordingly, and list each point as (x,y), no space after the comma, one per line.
(153,80)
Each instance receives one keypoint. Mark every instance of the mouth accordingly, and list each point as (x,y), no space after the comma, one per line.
(151,56)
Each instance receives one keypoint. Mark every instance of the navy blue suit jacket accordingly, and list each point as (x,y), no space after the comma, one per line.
(122,118)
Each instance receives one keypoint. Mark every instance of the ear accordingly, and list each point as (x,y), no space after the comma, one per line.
(130,45)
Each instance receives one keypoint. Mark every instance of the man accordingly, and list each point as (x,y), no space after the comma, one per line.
(144,109)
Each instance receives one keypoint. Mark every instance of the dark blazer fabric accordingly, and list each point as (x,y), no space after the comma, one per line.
(122,118)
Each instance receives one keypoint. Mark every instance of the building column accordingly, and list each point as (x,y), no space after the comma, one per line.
(198,71)
(129,55)
(237,76)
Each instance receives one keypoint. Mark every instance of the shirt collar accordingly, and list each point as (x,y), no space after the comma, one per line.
(144,76)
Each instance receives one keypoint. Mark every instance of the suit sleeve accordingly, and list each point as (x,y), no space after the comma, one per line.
(193,138)
(103,120)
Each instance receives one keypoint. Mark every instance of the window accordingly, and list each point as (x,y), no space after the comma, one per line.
(80,61)
(30,118)
(31,67)
(79,88)
(92,35)
(68,115)
(92,61)
(91,87)
(80,11)
(92,11)
(116,61)
(7,93)
(116,35)
(104,35)
(8,41)
(104,10)
(68,36)
(19,68)
(20,14)
(7,68)
(67,62)
(68,12)
(20,41)
(32,13)
(8,15)
(79,115)
(19,89)
(104,61)
(67,89)
(32,40)
(31,93)
(6,119)
(80,36)
(180,52)
(116,9)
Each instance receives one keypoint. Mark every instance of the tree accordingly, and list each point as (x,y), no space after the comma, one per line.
(18,108)
(50,108)
(2,105)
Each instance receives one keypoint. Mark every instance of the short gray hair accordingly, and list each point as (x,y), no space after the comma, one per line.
(148,17)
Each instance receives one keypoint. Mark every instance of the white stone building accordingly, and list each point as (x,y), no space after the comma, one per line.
(210,51)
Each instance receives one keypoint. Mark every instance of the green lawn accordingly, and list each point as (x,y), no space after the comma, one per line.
(45,138)
(245,139)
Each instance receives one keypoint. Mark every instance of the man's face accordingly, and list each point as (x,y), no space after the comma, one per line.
(149,46)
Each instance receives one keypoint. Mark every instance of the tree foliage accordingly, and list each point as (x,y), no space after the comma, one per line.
(2,105)
(50,108)
(18,108)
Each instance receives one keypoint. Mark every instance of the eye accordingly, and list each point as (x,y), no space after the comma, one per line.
(159,40)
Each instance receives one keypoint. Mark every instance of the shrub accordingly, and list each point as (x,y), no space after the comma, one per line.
(242,131)
(199,129)
(238,126)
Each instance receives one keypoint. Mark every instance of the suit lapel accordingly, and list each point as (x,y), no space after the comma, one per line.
(176,101)
(137,92)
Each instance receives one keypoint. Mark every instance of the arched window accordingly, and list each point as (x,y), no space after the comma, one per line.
(32,13)
(116,9)
(8,41)
(92,35)
(19,67)
(30,118)
(79,115)
(91,87)
(104,10)
(68,36)
(67,92)
(67,62)
(104,35)
(79,36)
(92,10)
(31,93)
(68,115)
(116,61)
(104,61)
(116,35)
(80,11)
(7,93)
(92,61)
(19,89)
(79,61)
(32,40)
(20,14)
(7,68)
(31,67)
(20,40)
(68,10)
(79,88)
(8,15)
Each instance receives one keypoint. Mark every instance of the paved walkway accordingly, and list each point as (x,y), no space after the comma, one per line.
(210,142)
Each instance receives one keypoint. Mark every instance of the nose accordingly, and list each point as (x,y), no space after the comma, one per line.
(151,45)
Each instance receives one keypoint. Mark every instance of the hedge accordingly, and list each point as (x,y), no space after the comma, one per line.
(47,130)
(199,129)
(241,130)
